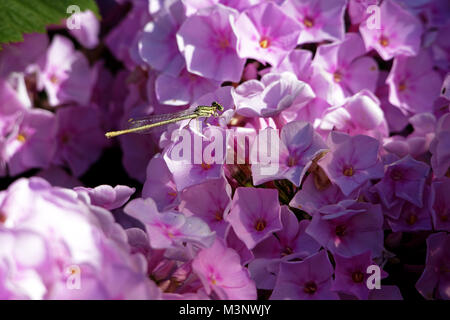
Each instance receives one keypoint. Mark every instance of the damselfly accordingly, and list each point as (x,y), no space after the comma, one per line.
(142,125)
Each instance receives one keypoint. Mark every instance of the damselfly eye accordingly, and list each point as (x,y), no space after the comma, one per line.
(218,106)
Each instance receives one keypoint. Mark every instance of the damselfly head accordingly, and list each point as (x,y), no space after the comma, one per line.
(218,106)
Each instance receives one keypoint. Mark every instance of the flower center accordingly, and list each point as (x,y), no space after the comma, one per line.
(264,43)
(213,280)
(21,137)
(402,86)
(357,276)
(192,77)
(310,287)
(223,43)
(172,193)
(340,230)
(260,225)
(444,216)
(412,219)
(292,161)
(218,215)
(54,79)
(384,41)
(206,166)
(348,171)
(65,138)
(308,22)
(2,217)
(337,77)
(396,175)
(287,251)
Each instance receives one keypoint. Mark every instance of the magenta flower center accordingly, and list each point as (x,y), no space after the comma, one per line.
(441,211)
(444,216)
(65,138)
(172,194)
(218,215)
(396,175)
(292,161)
(212,279)
(213,276)
(337,77)
(384,41)
(168,231)
(74,271)
(206,166)
(260,225)
(2,217)
(21,137)
(310,287)
(357,276)
(54,79)
(308,22)
(340,230)
(411,219)
(264,43)
(224,43)
(287,251)
(348,171)
(192,77)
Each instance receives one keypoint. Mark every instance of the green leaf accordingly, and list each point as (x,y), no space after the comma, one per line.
(27,16)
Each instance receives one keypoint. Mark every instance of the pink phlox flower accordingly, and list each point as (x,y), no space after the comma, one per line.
(310,279)
(168,229)
(319,19)
(255,214)
(212,53)
(258,41)
(352,161)
(222,274)
(349,228)
(398,34)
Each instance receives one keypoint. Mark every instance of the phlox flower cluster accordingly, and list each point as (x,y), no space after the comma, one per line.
(358,92)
